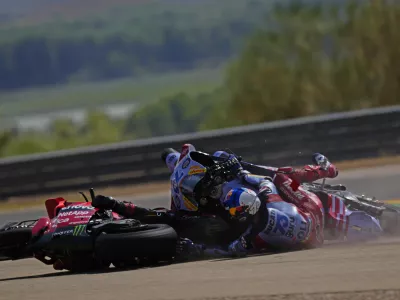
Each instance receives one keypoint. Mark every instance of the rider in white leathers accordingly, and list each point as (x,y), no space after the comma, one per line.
(253,199)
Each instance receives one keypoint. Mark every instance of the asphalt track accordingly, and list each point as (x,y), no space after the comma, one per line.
(366,271)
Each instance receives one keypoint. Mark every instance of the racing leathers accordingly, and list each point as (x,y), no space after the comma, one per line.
(297,220)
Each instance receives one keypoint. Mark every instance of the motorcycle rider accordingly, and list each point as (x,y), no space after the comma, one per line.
(253,200)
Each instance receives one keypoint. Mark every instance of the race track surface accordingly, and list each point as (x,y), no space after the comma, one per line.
(332,269)
(367,271)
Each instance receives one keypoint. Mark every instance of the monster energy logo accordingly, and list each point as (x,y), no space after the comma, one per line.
(78,230)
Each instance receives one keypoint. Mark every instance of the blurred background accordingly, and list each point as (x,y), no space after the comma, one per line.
(85,72)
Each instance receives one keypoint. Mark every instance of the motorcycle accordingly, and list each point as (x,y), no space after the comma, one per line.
(83,237)
(349,217)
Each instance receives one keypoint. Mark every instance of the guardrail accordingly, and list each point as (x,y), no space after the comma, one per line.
(341,136)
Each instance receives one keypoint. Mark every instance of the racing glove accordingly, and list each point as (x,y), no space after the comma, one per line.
(218,173)
(233,165)
(239,247)
(186,249)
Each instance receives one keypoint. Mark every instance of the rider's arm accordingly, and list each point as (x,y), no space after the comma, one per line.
(245,243)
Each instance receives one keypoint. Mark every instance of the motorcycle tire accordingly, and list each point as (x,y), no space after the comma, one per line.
(156,241)
(207,230)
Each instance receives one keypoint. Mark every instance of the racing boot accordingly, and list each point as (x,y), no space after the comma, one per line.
(322,168)
(123,208)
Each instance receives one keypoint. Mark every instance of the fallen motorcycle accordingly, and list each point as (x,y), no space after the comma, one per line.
(348,216)
(82,237)
(353,217)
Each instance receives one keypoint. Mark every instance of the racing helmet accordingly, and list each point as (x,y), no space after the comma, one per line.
(242,203)
(188,177)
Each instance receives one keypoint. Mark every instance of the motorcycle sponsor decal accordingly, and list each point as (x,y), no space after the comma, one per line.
(186,163)
(64,232)
(188,204)
(78,230)
(196,170)
(73,213)
(294,196)
(77,207)
(282,224)
(290,231)
(79,222)
(301,235)
(271,221)
(178,176)
(60,221)
(278,222)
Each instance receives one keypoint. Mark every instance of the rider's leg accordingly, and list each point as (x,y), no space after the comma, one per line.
(130,210)
(123,208)
(309,173)
(306,202)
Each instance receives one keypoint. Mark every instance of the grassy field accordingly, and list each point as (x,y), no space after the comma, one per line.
(149,88)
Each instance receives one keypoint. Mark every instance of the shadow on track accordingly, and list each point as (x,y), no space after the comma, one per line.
(101,271)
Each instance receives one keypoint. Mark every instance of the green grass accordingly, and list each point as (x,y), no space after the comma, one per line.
(39,100)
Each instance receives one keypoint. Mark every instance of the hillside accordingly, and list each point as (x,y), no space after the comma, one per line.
(68,41)
(29,12)
(155,37)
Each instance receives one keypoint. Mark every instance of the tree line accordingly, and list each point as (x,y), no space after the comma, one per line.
(126,41)
(314,59)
